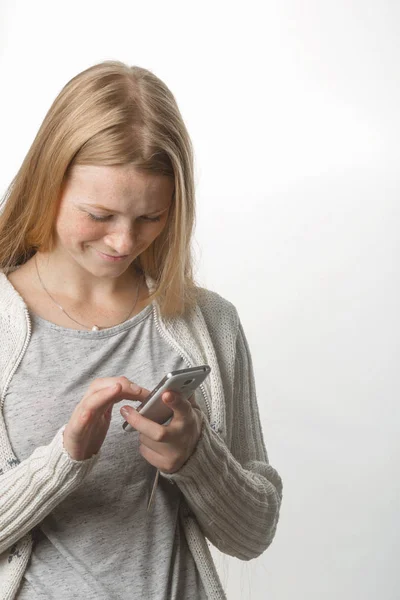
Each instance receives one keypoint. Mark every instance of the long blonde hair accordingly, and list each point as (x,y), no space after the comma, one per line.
(109,114)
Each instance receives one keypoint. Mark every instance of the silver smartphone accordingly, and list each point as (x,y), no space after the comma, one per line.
(184,381)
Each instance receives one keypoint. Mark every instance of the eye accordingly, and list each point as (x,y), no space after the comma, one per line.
(96,218)
(144,218)
(151,219)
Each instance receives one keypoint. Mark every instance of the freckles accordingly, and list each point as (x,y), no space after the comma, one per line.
(83,229)
(73,230)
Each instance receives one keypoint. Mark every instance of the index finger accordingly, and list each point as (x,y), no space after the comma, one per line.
(142,424)
(128,387)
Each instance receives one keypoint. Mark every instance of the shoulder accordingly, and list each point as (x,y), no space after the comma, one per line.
(8,290)
(217,311)
(12,305)
(15,285)
(8,295)
(12,311)
(208,298)
(13,327)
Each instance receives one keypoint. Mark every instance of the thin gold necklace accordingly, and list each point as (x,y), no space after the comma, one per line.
(94,327)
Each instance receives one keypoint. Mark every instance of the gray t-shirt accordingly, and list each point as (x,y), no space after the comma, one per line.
(99,543)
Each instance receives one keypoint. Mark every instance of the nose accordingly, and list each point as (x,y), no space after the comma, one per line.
(120,242)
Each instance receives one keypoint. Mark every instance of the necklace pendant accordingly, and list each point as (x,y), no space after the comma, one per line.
(95,328)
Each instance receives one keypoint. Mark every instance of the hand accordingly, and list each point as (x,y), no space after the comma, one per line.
(87,428)
(168,447)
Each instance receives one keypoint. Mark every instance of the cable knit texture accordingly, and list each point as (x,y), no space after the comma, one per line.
(232,494)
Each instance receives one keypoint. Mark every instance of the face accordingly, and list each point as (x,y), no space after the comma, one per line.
(110,215)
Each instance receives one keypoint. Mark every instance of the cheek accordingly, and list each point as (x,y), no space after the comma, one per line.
(74,230)
(84,230)
(161,227)
(152,235)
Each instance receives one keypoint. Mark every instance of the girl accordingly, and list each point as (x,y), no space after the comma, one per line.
(97,303)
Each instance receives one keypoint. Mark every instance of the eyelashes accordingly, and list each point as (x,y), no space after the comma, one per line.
(108,217)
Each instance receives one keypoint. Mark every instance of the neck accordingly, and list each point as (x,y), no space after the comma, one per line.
(68,279)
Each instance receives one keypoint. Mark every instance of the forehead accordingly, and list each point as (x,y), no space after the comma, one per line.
(122,181)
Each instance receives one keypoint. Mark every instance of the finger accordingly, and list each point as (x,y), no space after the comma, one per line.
(104,382)
(152,457)
(158,447)
(165,464)
(193,402)
(128,386)
(151,429)
(108,412)
(99,401)
(181,408)
(88,410)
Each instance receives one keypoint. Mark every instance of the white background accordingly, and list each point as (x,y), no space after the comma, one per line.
(293,109)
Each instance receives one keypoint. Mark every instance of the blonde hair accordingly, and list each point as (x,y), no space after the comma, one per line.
(109,114)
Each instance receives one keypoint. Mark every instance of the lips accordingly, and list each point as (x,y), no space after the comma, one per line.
(110,257)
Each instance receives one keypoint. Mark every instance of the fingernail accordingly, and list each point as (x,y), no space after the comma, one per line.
(125,411)
(135,388)
(169,397)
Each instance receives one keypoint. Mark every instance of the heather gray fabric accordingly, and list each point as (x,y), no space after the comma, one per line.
(99,543)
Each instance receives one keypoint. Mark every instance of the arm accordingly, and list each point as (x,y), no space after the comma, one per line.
(32,489)
(234,493)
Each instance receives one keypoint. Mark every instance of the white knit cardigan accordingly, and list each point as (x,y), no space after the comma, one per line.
(232,494)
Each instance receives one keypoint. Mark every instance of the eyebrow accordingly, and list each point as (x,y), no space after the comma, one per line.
(118,212)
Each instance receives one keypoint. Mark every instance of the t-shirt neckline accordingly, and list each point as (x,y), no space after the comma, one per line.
(88,333)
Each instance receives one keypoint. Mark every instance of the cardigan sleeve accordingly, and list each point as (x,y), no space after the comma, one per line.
(234,493)
(32,489)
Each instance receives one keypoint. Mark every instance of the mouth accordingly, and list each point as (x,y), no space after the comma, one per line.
(111,258)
